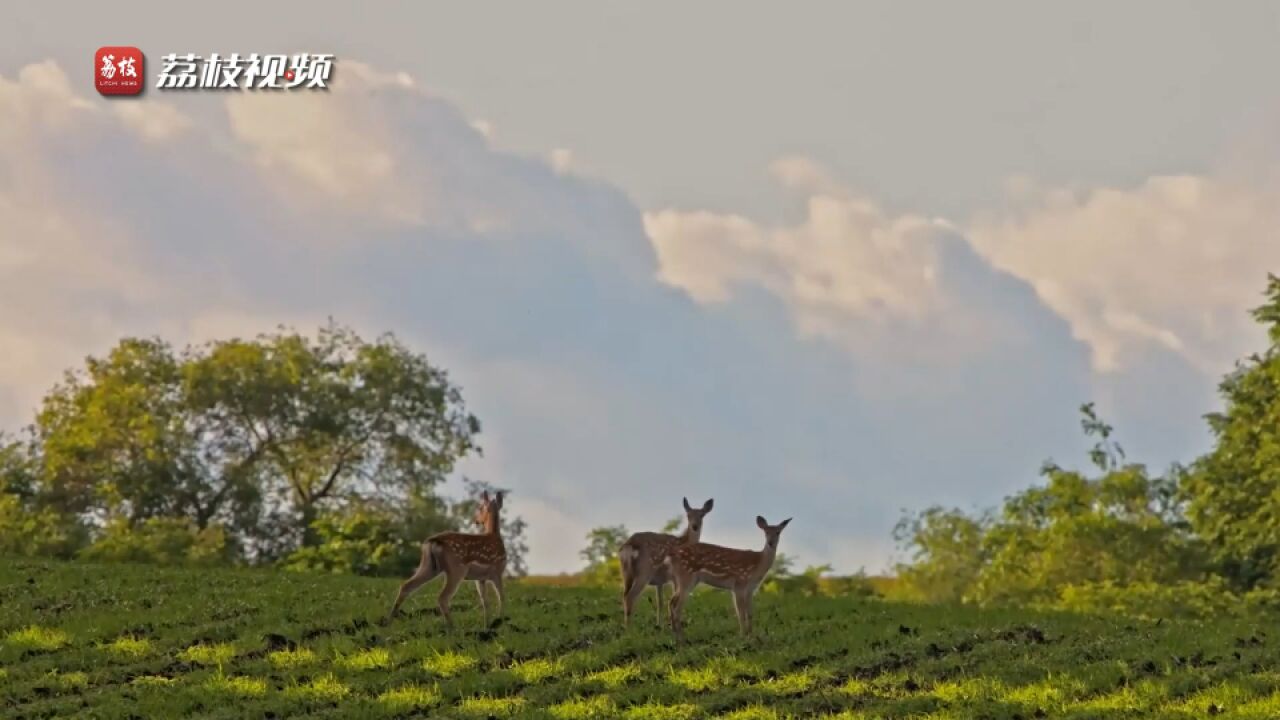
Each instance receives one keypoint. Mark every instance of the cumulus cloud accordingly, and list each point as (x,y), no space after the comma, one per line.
(484,127)
(332,148)
(42,327)
(40,97)
(156,121)
(561,160)
(848,271)
(801,173)
(66,274)
(1171,265)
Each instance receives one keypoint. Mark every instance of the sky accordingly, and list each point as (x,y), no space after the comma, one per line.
(821,260)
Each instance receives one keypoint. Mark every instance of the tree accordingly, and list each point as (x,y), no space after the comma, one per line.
(37,532)
(1122,528)
(946,553)
(364,538)
(1077,531)
(601,555)
(118,442)
(318,420)
(1233,492)
(376,537)
(25,528)
(256,440)
(18,468)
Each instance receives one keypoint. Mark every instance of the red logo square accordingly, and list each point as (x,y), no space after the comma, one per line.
(118,70)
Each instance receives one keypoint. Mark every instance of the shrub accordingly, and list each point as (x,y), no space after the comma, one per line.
(160,540)
(28,532)
(361,539)
(1188,599)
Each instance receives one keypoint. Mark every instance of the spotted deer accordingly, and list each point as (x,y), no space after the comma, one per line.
(643,558)
(481,557)
(738,571)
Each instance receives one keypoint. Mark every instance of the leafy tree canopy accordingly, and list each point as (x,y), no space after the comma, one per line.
(244,449)
(1233,492)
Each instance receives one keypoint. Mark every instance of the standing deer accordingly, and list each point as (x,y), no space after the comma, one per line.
(738,571)
(481,557)
(643,558)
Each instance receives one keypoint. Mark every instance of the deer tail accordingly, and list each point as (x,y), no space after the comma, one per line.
(431,558)
(627,555)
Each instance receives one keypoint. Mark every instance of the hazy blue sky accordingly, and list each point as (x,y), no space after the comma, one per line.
(827,260)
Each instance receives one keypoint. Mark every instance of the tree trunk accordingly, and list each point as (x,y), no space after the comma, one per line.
(307,516)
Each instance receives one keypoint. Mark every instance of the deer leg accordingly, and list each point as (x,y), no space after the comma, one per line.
(740,609)
(626,598)
(674,612)
(642,570)
(453,578)
(628,577)
(425,572)
(658,589)
(484,603)
(497,588)
(678,598)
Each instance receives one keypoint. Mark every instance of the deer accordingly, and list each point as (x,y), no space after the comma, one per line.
(481,557)
(643,558)
(738,571)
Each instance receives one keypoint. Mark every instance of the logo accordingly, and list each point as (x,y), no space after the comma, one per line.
(309,71)
(118,70)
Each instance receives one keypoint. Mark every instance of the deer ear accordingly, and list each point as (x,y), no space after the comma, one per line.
(783,524)
(484,496)
(706,507)
(687,506)
(761,522)
(499,497)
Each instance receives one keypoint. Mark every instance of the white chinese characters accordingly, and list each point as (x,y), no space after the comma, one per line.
(109,65)
(254,72)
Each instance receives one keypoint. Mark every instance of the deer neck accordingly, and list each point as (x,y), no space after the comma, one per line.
(493,524)
(767,556)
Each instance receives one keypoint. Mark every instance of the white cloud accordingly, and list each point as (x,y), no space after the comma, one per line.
(848,272)
(1171,265)
(798,172)
(319,149)
(85,252)
(561,160)
(43,321)
(377,153)
(60,264)
(484,127)
(156,121)
(40,97)
(846,260)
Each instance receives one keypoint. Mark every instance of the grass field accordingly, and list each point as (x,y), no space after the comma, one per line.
(129,641)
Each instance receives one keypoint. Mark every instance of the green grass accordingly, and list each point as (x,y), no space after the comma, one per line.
(121,641)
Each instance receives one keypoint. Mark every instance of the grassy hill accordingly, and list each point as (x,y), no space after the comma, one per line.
(118,641)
